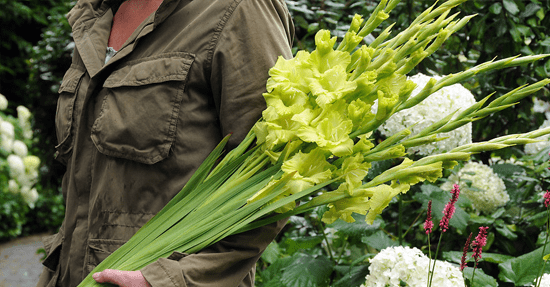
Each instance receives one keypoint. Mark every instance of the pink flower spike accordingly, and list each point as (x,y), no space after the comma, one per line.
(465,252)
(547,199)
(428,224)
(479,243)
(449,209)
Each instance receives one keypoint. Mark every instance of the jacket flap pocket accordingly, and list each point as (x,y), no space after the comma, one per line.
(52,245)
(99,249)
(158,69)
(71,79)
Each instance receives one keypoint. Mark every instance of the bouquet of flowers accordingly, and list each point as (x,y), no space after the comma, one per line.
(316,132)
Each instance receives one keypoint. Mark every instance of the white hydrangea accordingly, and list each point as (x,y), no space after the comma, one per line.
(22,167)
(431,110)
(484,188)
(545,281)
(13,186)
(7,129)
(395,264)
(20,148)
(540,106)
(3,102)
(24,116)
(17,167)
(30,195)
(533,148)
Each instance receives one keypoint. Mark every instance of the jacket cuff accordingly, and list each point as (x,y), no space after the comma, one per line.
(164,272)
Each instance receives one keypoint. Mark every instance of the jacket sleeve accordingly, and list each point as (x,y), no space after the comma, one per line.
(251,36)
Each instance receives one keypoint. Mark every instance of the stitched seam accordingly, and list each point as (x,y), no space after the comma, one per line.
(122,212)
(168,274)
(121,225)
(219,29)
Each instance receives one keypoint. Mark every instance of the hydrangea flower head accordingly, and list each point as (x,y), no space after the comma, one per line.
(3,102)
(481,186)
(429,111)
(533,148)
(544,281)
(395,264)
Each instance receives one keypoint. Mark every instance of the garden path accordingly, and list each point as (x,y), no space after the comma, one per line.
(19,263)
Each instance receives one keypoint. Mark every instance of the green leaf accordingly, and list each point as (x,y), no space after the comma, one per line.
(480,279)
(271,276)
(523,269)
(307,271)
(530,10)
(495,8)
(358,228)
(271,253)
(546,42)
(351,275)
(296,244)
(379,240)
(456,256)
(511,6)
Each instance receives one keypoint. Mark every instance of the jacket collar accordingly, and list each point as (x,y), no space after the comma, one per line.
(91,22)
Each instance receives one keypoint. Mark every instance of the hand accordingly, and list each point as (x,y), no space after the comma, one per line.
(121,278)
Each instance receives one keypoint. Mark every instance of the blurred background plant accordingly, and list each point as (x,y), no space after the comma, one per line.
(33,63)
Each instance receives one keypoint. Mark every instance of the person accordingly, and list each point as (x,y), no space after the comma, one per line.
(134,123)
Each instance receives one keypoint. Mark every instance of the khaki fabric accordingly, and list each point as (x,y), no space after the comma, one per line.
(132,131)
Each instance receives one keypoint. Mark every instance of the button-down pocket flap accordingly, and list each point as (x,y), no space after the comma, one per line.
(158,69)
(70,80)
(140,108)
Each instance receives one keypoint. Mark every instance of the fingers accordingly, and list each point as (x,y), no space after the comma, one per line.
(121,278)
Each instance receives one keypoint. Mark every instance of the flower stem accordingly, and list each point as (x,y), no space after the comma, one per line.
(435,259)
(430,258)
(539,278)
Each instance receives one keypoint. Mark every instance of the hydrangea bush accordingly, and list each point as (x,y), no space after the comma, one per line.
(534,148)
(431,110)
(483,187)
(18,169)
(396,266)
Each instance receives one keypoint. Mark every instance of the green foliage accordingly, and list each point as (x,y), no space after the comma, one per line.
(13,210)
(49,59)
(524,269)
(30,16)
(34,65)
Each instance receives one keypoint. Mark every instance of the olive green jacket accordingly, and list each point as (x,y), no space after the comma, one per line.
(132,131)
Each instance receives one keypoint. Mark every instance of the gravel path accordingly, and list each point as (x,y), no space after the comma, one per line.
(19,263)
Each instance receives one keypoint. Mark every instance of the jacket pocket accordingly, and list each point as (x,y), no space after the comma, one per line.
(64,116)
(99,249)
(140,108)
(52,245)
